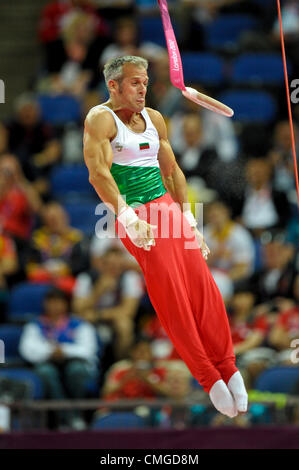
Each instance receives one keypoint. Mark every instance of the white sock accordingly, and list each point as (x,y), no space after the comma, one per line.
(222,399)
(238,390)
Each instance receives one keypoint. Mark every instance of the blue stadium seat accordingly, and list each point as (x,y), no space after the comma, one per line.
(71,181)
(10,335)
(82,216)
(278,380)
(226,30)
(250,105)
(204,68)
(119,420)
(144,4)
(59,109)
(25,375)
(151,29)
(26,300)
(266,69)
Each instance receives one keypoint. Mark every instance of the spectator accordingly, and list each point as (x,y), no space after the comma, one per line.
(52,24)
(50,255)
(109,294)
(249,333)
(286,328)
(54,12)
(8,267)
(80,53)
(162,95)
(217,130)
(137,377)
(275,279)
(281,157)
(126,43)
(142,377)
(50,20)
(11,165)
(290,23)
(19,202)
(15,210)
(72,134)
(261,207)
(195,158)
(33,141)
(104,240)
(161,346)
(231,245)
(63,351)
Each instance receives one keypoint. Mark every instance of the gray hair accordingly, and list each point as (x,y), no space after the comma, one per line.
(113,70)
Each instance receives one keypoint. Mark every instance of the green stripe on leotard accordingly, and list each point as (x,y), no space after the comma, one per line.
(139,184)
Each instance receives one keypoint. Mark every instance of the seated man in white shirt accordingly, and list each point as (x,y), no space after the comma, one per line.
(231,245)
(262,207)
(63,349)
(195,157)
(217,130)
(109,297)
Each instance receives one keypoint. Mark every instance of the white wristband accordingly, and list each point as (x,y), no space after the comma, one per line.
(189,216)
(127,216)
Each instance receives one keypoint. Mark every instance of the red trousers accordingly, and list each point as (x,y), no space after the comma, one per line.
(184,294)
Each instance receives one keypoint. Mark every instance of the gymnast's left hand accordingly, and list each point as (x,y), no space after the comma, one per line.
(201,242)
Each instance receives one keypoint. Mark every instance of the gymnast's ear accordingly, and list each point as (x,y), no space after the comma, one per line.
(112,85)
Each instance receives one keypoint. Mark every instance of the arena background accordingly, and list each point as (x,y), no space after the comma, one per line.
(139,394)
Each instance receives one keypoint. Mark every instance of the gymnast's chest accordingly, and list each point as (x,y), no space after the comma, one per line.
(131,147)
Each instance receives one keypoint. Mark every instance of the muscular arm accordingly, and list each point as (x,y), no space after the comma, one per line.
(172,175)
(98,156)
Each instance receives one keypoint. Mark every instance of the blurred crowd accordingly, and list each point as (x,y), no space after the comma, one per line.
(97,326)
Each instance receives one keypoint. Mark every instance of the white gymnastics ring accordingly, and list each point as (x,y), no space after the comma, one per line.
(207,102)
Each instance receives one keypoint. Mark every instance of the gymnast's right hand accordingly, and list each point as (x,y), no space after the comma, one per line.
(139,231)
(142,234)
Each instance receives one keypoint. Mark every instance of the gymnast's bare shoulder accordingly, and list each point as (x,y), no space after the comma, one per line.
(99,123)
(158,121)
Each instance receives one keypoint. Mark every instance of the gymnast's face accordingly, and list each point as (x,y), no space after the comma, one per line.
(130,91)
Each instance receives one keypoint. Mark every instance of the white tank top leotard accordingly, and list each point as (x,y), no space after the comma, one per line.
(135,166)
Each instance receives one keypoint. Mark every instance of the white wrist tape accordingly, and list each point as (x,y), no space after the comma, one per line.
(127,216)
(189,216)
